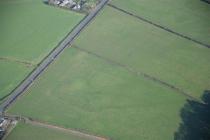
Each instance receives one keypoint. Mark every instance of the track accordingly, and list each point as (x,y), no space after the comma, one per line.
(160,26)
(52,56)
(54,127)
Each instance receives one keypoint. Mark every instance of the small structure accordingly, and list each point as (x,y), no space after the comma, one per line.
(62,3)
(76,5)
(2,132)
(3,126)
(3,122)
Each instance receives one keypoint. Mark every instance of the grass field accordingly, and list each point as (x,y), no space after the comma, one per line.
(29,31)
(98,86)
(11,74)
(95,96)
(150,50)
(188,17)
(31,132)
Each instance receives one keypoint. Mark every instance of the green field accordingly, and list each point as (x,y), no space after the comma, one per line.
(188,17)
(145,48)
(30,132)
(11,74)
(95,96)
(29,31)
(98,85)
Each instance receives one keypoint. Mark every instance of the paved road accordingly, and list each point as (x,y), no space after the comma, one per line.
(51,57)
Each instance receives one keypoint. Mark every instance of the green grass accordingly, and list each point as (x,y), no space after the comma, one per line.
(31,132)
(188,17)
(84,92)
(31,29)
(144,48)
(11,74)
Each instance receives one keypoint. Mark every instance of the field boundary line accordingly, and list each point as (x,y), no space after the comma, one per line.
(66,42)
(26,63)
(159,26)
(137,73)
(78,133)
(38,123)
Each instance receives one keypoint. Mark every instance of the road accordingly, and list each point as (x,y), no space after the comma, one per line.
(51,57)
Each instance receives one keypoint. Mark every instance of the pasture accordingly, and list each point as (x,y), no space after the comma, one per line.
(119,78)
(146,49)
(30,34)
(11,74)
(97,97)
(29,31)
(32,132)
(188,17)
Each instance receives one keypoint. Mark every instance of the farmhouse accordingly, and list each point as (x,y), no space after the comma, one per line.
(68,3)
(3,125)
(62,2)
(2,122)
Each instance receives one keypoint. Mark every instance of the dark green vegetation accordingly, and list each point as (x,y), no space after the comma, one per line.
(196,120)
(29,31)
(31,132)
(93,95)
(189,17)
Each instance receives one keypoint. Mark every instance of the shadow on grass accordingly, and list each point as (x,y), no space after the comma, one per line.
(207,1)
(45,2)
(195,120)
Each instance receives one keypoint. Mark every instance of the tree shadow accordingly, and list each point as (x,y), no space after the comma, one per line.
(195,120)
(207,1)
(45,2)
